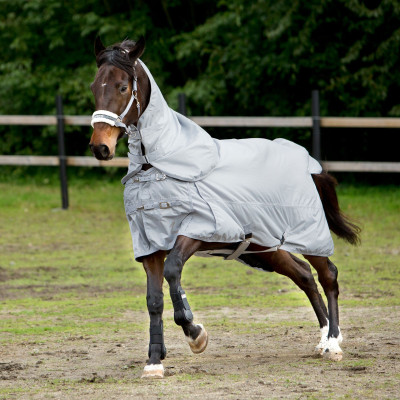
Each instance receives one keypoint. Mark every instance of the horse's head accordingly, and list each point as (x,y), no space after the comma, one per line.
(117,94)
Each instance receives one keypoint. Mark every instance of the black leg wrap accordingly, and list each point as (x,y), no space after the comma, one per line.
(157,337)
(182,312)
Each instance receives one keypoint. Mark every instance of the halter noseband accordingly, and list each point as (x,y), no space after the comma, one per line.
(116,120)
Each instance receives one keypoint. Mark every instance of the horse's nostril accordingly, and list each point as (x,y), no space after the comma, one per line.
(101,152)
(104,151)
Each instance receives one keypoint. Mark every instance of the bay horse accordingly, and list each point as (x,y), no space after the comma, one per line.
(122,91)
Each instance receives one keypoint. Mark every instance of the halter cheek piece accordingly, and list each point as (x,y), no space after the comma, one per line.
(116,120)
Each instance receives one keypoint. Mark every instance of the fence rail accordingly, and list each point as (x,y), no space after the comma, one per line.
(315,122)
(76,161)
(226,122)
(248,122)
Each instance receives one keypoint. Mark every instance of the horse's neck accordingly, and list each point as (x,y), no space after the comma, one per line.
(144,88)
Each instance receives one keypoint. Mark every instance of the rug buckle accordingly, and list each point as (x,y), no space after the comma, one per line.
(160,177)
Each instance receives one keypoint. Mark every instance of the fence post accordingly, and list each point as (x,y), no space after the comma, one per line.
(182,103)
(61,152)
(316,136)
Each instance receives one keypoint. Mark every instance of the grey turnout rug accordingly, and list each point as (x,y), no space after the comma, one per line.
(219,190)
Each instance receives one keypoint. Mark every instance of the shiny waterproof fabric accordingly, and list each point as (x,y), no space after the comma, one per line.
(174,144)
(219,190)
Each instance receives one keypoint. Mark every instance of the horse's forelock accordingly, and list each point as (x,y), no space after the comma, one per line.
(116,55)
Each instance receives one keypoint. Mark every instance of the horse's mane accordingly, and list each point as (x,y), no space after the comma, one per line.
(116,55)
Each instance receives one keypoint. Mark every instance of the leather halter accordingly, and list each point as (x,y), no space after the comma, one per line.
(116,120)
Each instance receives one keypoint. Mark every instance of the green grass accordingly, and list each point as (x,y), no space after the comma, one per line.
(73,271)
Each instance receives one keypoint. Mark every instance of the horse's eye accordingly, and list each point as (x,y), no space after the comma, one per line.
(123,89)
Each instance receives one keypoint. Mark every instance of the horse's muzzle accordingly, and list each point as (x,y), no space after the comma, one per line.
(101,151)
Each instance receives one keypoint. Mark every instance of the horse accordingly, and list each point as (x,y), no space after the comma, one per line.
(122,89)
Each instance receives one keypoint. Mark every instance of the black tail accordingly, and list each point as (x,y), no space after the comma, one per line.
(338,223)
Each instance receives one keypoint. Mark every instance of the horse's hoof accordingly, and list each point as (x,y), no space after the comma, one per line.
(333,355)
(153,371)
(321,346)
(323,343)
(332,350)
(199,344)
(319,349)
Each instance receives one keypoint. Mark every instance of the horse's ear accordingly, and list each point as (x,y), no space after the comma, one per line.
(138,50)
(98,46)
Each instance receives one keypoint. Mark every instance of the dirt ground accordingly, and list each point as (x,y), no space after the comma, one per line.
(277,363)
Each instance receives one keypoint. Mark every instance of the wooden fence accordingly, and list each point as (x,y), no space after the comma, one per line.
(248,122)
(314,122)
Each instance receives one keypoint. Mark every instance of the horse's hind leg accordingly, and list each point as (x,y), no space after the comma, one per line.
(324,324)
(153,265)
(299,272)
(327,275)
(314,295)
(183,249)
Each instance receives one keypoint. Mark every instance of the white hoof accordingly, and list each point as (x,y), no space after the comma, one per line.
(323,343)
(332,351)
(153,371)
(319,348)
(200,343)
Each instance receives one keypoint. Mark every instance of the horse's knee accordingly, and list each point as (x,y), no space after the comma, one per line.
(155,303)
(172,268)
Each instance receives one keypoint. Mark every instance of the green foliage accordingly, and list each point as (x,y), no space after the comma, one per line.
(229,57)
(266,56)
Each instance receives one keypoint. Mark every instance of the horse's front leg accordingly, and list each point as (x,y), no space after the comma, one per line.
(183,249)
(154,267)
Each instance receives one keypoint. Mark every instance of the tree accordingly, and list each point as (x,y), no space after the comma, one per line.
(230,57)
(266,56)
